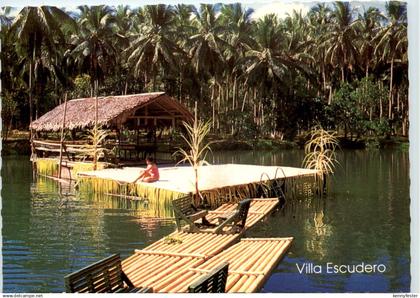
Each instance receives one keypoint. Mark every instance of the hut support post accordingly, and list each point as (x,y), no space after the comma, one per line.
(62,136)
(95,153)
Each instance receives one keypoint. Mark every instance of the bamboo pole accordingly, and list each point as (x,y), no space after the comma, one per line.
(62,136)
(171,254)
(95,155)
(179,285)
(246,265)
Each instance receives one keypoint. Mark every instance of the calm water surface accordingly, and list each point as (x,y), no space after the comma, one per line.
(48,231)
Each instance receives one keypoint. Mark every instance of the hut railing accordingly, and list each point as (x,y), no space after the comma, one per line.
(51,146)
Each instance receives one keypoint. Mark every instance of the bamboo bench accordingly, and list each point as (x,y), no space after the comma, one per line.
(213,282)
(184,210)
(105,276)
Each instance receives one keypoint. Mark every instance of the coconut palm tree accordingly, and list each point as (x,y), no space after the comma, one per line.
(238,36)
(206,44)
(392,42)
(319,18)
(182,19)
(92,44)
(154,48)
(340,42)
(37,30)
(367,26)
(268,61)
(206,50)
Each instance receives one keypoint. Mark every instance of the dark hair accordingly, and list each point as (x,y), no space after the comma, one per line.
(150,159)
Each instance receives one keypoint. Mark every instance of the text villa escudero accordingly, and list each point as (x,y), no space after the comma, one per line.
(331,268)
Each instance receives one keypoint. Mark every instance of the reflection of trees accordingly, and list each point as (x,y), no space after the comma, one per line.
(69,231)
(136,207)
(317,232)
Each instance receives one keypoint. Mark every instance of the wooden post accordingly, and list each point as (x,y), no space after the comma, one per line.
(33,153)
(62,135)
(95,157)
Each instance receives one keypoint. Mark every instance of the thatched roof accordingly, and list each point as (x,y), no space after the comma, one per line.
(112,111)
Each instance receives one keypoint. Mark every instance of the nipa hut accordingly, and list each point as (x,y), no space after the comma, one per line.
(136,125)
(158,109)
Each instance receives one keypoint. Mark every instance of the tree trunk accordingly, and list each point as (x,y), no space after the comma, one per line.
(404,119)
(381,110)
(30,92)
(390,96)
(62,137)
(243,102)
(233,104)
(324,81)
(213,106)
(330,95)
(234,94)
(367,70)
(95,153)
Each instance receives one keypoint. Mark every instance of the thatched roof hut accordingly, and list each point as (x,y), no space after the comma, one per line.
(114,111)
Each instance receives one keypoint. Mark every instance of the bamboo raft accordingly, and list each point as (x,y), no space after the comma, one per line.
(217,183)
(250,263)
(172,266)
(161,264)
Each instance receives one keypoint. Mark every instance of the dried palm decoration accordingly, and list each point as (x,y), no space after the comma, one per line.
(320,152)
(94,149)
(197,150)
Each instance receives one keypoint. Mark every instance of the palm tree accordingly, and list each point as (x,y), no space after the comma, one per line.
(367,27)
(392,42)
(125,19)
(206,49)
(38,29)
(264,65)
(238,35)
(269,61)
(340,41)
(206,44)
(153,47)
(92,45)
(319,22)
(182,19)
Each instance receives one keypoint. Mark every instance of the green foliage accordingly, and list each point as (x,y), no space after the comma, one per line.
(254,78)
(172,239)
(355,107)
(8,111)
(82,86)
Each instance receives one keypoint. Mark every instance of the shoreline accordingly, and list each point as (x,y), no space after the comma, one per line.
(21,146)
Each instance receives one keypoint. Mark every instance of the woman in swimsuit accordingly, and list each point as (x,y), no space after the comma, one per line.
(151,173)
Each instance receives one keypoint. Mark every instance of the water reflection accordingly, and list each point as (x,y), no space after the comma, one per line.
(48,231)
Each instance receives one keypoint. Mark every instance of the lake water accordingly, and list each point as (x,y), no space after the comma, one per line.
(48,231)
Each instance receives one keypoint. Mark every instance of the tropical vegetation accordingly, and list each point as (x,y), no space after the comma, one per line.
(337,66)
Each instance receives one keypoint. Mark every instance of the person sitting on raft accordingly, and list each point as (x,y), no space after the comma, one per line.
(151,173)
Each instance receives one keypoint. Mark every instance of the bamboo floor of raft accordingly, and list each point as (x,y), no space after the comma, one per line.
(251,261)
(163,265)
(166,269)
(181,179)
